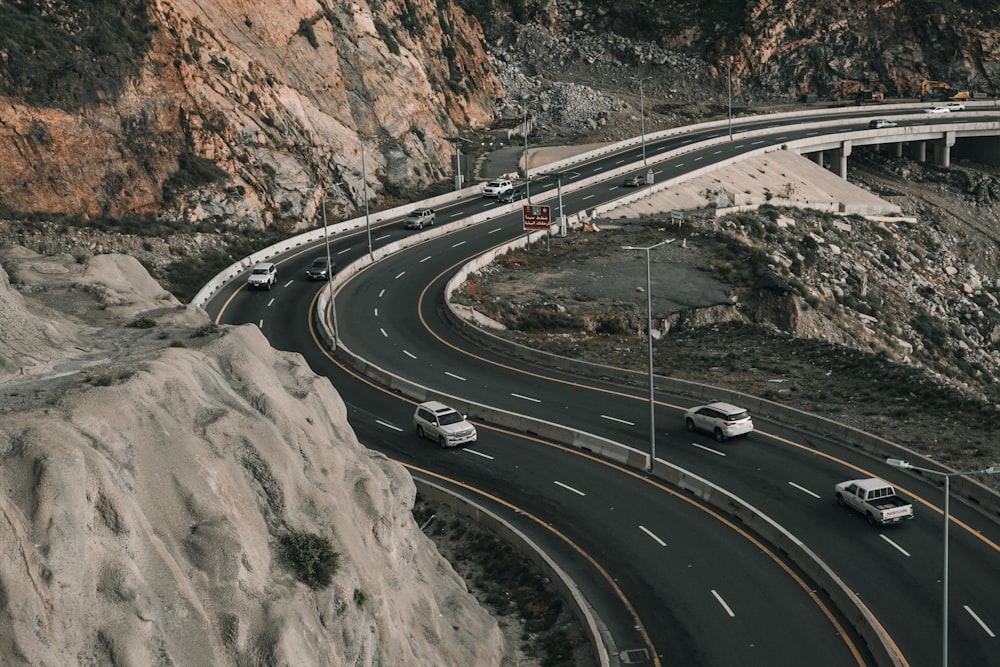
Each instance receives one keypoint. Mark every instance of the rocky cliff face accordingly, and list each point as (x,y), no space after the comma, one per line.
(228,112)
(573,63)
(150,472)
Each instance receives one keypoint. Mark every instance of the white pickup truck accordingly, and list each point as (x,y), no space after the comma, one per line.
(874,498)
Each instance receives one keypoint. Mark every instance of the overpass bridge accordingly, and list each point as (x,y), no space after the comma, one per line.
(973,134)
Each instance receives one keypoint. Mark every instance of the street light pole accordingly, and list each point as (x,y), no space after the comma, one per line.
(649,337)
(364,181)
(729,78)
(904,465)
(642,119)
(527,176)
(329,272)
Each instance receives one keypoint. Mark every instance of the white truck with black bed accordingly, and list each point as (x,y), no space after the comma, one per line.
(875,499)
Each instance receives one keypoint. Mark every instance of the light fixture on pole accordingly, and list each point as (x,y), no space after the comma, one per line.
(562,217)
(642,117)
(459,176)
(526,129)
(904,465)
(649,337)
(329,267)
(729,78)
(364,181)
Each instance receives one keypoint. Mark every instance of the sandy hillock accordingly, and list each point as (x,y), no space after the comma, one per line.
(151,464)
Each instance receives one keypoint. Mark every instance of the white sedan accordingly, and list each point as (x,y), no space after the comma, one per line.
(938,110)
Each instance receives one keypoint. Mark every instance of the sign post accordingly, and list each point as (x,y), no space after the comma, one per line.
(534,218)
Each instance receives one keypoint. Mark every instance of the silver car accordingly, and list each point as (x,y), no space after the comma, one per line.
(442,424)
(722,420)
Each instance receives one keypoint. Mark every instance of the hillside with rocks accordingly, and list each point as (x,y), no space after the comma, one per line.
(155,469)
(230,115)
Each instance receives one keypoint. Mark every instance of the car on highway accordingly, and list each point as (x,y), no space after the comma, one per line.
(634,181)
(879,123)
(511,196)
(497,187)
(941,109)
(262,276)
(420,218)
(319,269)
(443,424)
(723,420)
(955,106)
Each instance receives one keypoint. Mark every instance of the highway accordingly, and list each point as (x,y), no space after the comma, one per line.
(691,586)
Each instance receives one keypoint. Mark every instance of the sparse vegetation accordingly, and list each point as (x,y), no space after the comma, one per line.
(142,323)
(312,558)
(70,55)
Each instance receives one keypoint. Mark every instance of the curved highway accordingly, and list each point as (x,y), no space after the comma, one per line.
(692,587)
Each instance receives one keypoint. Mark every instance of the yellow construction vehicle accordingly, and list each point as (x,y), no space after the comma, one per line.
(859,92)
(942,90)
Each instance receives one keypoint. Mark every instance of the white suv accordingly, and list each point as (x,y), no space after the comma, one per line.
(722,420)
(497,187)
(442,424)
(262,276)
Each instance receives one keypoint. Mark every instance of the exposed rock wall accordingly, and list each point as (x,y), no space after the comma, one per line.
(149,475)
(277,96)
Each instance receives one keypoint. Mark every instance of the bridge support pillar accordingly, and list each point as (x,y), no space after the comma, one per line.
(843,153)
(897,149)
(944,149)
(920,151)
(817,157)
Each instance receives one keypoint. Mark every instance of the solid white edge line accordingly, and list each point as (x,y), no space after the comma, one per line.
(654,537)
(723,603)
(570,488)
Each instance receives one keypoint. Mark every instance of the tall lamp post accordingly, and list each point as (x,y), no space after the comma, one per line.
(729,86)
(642,117)
(992,470)
(459,176)
(364,181)
(562,218)
(527,176)
(329,267)
(649,337)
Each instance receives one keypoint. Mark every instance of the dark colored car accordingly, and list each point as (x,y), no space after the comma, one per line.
(318,269)
(510,196)
(634,181)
